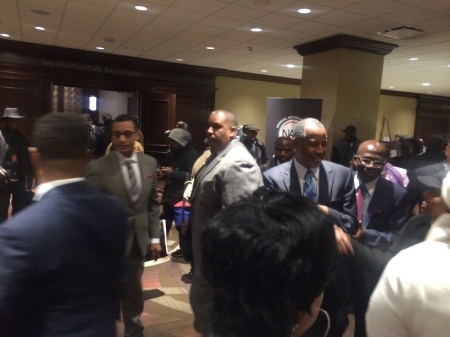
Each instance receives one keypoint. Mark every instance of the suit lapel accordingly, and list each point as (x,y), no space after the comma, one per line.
(291,180)
(325,183)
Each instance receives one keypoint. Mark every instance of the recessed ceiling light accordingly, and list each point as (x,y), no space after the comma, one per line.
(179,60)
(7,35)
(140,8)
(210,48)
(39,28)
(256,30)
(413,58)
(391,87)
(426,84)
(304,11)
(100,48)
(264,71)
(290,66)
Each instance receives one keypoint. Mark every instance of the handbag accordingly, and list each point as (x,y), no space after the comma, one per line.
(182,212)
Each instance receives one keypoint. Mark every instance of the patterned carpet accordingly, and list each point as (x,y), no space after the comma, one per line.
(167,312)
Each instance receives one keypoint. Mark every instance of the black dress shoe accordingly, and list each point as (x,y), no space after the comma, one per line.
(177,253)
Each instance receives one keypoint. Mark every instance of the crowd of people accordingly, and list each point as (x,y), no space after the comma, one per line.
(281,246)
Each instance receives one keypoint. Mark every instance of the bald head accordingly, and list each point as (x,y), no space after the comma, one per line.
(373,147)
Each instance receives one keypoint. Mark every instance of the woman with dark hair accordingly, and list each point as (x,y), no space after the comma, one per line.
(268,259)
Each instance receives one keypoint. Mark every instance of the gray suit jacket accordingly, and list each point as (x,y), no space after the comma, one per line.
(229,177)
(143,216)
(336,190)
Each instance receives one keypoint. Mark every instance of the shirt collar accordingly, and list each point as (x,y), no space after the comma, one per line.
(46,187)
(301,170)
(123,159)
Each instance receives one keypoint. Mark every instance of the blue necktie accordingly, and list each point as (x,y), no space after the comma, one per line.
(309,188)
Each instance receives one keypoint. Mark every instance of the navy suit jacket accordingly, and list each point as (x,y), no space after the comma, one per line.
(388,211)
(336,190)
(61,264)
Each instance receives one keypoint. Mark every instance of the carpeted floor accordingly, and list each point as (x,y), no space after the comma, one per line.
(167,312)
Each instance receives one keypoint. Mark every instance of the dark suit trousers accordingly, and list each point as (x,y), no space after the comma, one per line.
(19,197)
(132,299)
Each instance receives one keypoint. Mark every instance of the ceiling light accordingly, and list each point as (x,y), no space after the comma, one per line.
(179,60)
(426,84)
(39,28)
(7,35)
(290,66)
(413,58)
(140,8)
(256,30)
(304,11)
(100,48)
(210,48)
(264,71)
(391,87)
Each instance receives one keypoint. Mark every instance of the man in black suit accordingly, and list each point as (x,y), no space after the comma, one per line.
(331,186)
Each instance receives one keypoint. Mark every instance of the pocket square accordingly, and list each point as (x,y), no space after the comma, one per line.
(149,175)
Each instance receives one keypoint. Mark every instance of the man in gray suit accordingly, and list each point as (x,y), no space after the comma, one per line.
(132,177)
(331,186)
(230,174)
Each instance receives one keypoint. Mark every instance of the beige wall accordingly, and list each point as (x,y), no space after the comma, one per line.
(400,113)
(247,99)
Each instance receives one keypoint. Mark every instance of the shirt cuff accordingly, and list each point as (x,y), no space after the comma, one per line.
(155,240)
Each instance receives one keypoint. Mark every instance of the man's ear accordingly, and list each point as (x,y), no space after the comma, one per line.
(35,156)
(233,129)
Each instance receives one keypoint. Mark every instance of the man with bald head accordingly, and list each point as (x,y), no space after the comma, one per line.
(383,207)
(228,175)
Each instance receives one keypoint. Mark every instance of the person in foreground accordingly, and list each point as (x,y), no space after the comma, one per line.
(61,258)
(132,177)
(268,259)
(412,298)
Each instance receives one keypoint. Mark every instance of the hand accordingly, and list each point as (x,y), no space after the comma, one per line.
(323,209)
(166,171)
(155,250)
(343,241)
(360,234)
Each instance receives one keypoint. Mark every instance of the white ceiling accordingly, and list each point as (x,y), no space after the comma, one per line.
(182,29)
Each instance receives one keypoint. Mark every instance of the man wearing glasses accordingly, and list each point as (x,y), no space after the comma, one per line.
(132,178)
(383,207)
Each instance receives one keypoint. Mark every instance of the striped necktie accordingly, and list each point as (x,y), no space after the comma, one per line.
(133,189)
(309,187)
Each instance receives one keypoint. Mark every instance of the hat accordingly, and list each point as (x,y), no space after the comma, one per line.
(350,128)
(11,113)
(180,136)
(433,181)
(250,127)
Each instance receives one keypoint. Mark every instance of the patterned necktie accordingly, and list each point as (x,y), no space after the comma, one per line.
(133,190)
(309,187)
(364,202)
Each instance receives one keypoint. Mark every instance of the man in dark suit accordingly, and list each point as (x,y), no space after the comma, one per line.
(230,174)
(61,258)
(383,207)
(132,177)
(331,186)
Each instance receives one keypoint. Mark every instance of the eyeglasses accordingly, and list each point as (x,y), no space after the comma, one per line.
(370,162)
(127,134)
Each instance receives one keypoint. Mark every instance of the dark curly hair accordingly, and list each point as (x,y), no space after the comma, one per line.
(266,258)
